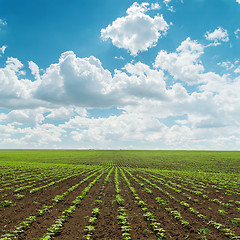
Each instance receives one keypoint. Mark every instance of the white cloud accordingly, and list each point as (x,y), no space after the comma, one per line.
(42,135)
(148,130)
(155,6)
(84,82)
(126,127)
(119,58)
(66,113)
(11,87)
(2,117)
(13,64)
(3,22)
(237,32)
(2,50)
(38,136)
(227,65)
(237,70)
(184,64)
(142,93)
(178,136)
(238,1)
(34,69)
(76,81)
(137,31)
(16,92)
(217,36)
(170,8)
(138,81)
(137,8)
(26,116)
(231,66)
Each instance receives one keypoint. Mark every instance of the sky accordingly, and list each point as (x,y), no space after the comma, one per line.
(104,74)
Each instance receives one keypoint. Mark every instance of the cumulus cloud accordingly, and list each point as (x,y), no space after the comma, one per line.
(66,113)
(167,2)
(147,130)
(119,58)
(75,81)
(155,6)
(11,87)
(2,50)
(184,64)
(3,22)
(237,70)
(26,116)
(137,31)
(15,91)
(238,1)
(34,70)
(217,36)
(13,64)
(43,135)
(227,65)
(178,136)
(125,127)
(137,81)
(237,32)
(81,82)
(231,66)
(69,87)
(84,82)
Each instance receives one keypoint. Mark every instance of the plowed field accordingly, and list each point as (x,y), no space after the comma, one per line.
(118,197)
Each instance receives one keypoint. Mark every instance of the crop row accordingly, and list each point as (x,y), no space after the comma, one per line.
(45,208)
(122,216)
(149,216)
(187,206)
(58,224)
(90,228)
(198,193)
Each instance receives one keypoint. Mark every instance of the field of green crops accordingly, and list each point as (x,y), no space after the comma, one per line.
(206,161)
(93,194)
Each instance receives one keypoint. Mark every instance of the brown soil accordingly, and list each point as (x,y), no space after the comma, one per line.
(13,215)
(107,225)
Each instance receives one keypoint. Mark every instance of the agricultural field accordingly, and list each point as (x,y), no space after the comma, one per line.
(90,194)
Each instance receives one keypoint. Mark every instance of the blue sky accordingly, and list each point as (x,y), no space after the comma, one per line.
(120,74)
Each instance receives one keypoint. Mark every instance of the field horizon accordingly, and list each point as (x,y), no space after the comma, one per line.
(203,160)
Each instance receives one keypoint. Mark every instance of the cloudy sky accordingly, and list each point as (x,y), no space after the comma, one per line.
(120,74)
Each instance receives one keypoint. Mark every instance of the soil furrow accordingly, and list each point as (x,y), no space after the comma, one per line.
(75,223)
(188,232)
(107,226)
(207,208)
(29,205)
(140,228)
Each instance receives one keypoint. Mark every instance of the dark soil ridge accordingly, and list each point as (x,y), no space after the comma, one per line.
(41,183)
(43,222)
(207,201)
(14,215)
(36,184)
(174,230)
(141,228)
(107,226)
(208,208)
(75,223)
(195,222)
(208,190)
